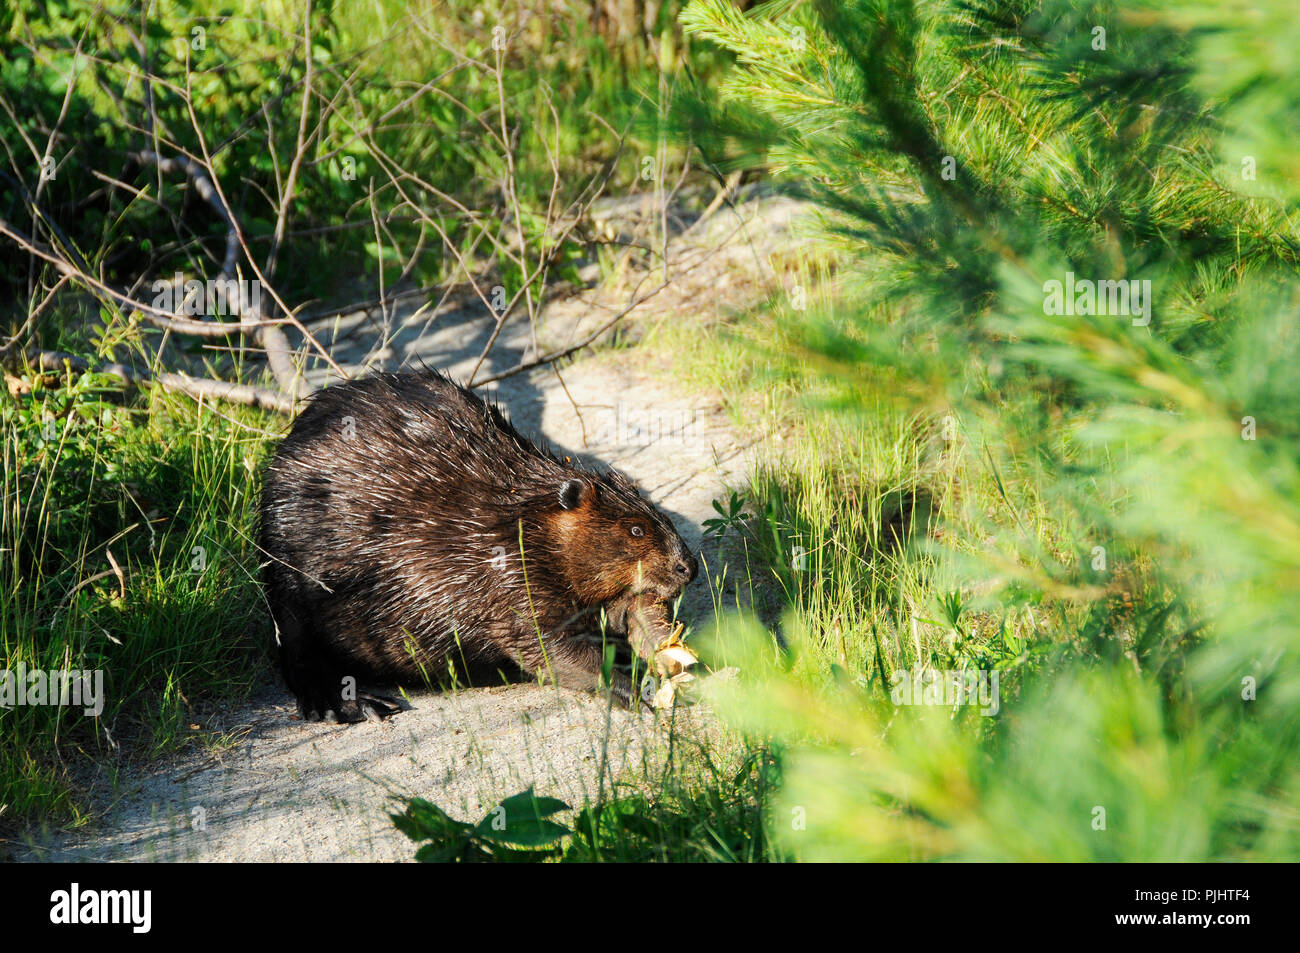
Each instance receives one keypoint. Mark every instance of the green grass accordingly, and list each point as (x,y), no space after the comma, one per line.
(149,477)
(954,478)
(880,534)
(395,86)
(169,490)
(705,802)
(1104,530)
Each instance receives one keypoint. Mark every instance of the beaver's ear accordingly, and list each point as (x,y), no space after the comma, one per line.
(573,493)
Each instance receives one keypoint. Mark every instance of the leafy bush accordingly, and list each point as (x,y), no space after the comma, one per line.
(1117,496)
(390,125)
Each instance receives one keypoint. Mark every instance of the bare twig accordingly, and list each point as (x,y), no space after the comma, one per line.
(164,319)
(291,182)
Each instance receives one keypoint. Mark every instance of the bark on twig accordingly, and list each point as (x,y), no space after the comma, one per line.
(269,336)
(196,387)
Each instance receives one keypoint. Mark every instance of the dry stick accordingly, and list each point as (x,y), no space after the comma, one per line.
(386,320)
(195,172)
(510,188)
(388,334)
(150,104)
(436,306)
(725,191)
(471,216)
(466,61)
(196,387)
(553,158)
(413,258)
(390,167)
(577,412)
(178,382)
(383,117)
(163,319)
(385,162)
(565,352)
(636,303)
(49,148)
(283,214)
(551,218)
(72,265)
(32,315)
(544,265)
(274,335)
(382,159)
(271,337)
(184,242)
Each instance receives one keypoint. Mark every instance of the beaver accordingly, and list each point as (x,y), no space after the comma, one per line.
(408,526)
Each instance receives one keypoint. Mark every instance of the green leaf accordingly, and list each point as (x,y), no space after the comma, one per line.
(425,821)
(527,833)
(522,820)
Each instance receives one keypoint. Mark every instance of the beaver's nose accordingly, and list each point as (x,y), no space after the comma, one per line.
(686,568)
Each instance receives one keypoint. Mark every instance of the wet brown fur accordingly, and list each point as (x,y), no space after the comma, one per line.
(407,523)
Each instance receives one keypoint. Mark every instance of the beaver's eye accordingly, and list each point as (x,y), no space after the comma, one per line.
(636,530)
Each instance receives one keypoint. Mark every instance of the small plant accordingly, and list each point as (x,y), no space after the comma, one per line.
(729,520)
(710,803)
(520,828)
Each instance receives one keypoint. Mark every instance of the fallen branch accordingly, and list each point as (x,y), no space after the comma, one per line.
(156,316)
(199,388)
(269,336)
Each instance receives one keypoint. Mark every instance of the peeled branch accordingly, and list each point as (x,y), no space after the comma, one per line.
(659,641)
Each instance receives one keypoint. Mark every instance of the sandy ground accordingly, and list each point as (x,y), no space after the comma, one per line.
(288,790)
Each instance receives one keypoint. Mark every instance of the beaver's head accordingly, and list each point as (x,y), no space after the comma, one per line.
(611,541)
